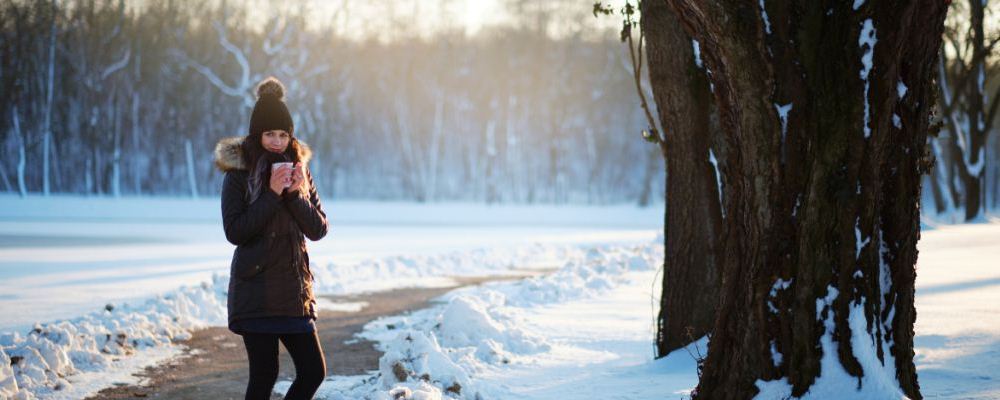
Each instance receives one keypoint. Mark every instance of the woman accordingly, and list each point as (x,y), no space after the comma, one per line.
(266,214)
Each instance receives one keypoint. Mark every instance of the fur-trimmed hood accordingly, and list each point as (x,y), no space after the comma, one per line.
(229,154)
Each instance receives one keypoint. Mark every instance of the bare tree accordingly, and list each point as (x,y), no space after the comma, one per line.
(47,126)
(966,109)
(16,121)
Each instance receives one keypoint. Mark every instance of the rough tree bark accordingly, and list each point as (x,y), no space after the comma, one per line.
(692,219)
(825,109)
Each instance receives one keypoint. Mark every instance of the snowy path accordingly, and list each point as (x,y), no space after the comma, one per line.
(213,363)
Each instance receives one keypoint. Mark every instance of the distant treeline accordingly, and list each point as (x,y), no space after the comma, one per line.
(103,99)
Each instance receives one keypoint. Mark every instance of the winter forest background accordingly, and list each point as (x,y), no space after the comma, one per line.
(114,98)
(399,100)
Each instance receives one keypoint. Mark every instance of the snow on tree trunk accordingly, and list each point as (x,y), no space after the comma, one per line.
(692,219)
(822,171)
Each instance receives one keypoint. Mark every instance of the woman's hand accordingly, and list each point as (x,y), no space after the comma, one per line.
(298,177)
(279,179)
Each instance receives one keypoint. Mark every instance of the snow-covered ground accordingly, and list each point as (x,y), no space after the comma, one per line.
(958,312)
(583,331)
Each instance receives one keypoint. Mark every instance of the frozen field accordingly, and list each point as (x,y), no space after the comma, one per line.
(61,257)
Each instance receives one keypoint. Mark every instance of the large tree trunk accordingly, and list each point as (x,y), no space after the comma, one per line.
(821,189)
(693,218)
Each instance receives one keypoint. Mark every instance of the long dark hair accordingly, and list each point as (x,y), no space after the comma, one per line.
(259,161)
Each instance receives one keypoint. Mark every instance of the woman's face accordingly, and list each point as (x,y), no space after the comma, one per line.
(275,141)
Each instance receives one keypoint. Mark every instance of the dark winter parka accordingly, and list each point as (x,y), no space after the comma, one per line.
(269,275)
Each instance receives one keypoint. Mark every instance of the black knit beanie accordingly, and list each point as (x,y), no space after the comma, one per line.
(270,112)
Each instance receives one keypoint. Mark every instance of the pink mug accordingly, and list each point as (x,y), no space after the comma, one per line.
(278,165)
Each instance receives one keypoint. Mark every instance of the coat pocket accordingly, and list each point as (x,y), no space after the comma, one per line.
(249,260)
(248,296)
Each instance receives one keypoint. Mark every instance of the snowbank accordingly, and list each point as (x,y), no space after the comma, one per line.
(439,352)
(50,360)
(69,359)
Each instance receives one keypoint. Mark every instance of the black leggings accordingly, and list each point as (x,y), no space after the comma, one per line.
(307,355)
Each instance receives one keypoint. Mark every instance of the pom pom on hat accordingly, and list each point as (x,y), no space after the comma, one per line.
(271,86)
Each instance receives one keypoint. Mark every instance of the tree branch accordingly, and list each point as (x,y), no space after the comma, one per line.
(965,72)
(943,82)
(272,49)
(656,135)
(237,53)
(110,69)
(242,88)
(212,77)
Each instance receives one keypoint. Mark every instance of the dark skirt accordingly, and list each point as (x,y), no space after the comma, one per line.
(273,325)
